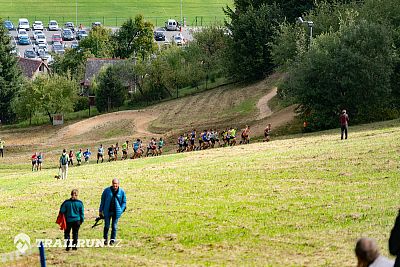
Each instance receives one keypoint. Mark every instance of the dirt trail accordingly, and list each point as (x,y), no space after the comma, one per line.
(262,104)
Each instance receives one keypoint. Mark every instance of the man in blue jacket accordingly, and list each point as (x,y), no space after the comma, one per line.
(113,204)
(73,211)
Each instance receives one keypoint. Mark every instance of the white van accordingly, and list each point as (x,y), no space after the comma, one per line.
(23,24)
(171,25)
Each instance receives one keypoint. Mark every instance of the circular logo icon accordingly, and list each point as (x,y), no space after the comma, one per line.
(22,242)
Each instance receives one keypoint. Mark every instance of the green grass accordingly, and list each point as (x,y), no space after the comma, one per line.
(302,201)
(114,13)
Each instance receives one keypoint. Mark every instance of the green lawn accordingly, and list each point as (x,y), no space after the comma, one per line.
(114,13)
(302,201)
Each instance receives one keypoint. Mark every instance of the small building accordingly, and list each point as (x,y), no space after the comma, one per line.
(31,68)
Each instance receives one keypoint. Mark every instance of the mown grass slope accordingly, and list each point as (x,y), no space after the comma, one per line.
(114,13)
(302,201)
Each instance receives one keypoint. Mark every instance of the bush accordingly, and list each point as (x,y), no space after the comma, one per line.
(81,103)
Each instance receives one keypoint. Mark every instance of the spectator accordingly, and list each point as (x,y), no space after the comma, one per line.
(2,143)
(368,254)
(73,211)
(113,204)
(64,159)
(394,241)
(71,157)
(344,124)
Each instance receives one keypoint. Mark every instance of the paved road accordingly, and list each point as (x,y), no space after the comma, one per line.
(186,32)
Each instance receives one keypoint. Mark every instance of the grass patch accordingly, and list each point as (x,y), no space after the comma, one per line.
(295,202)
(114,13)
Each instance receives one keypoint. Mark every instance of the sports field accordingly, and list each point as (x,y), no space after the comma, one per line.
(302,201)
(113,13)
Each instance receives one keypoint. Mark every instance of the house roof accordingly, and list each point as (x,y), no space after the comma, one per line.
(94,65)
(30,66)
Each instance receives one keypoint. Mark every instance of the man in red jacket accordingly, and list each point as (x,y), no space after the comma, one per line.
(344,124)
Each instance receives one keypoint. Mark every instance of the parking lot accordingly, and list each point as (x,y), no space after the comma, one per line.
(186,33)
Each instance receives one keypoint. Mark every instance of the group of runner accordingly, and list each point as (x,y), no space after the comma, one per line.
(209,138)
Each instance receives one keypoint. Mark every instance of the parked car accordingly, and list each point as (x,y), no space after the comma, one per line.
(22,32)
(39,47)
(81,34)
(23,24)
(8,25)
(24,40)
(67,35)
(58,48)
(69,25)
(56,38)
(41,39)
(45,55)
(96,24)
(178,39)
(38,25)
(29,53)
(172,25)
(37,32)
(75,45)
(53,25)
(159,36)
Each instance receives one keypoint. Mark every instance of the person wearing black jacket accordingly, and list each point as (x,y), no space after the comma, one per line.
(394,241)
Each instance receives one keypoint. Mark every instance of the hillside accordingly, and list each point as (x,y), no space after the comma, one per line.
(225,106)
(296,202)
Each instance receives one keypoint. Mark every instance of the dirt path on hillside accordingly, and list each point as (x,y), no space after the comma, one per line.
(262,105)
(134,121)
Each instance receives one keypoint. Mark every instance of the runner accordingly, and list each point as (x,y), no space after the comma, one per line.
(34,161)
(116,149)
(100,153)
(267,133)
(185,142)
(2,143)
(192,140)
(39,161)
(180,143)
(110,153)
(160,146)
(232,140)
(137,149)
(79,157)
(125,150)
(245,135)
(216,134)
(87,155)
(212,138)
(71,157)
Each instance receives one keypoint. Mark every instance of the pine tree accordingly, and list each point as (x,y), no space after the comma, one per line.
(10,76)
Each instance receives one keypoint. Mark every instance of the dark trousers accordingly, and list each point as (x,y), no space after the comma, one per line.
(75,229)
(344,129)
(114,226)
(1,152)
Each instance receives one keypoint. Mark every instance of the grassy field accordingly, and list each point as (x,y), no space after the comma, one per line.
(114,13)
(302,201)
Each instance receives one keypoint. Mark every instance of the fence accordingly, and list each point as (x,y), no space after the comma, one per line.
(117,21)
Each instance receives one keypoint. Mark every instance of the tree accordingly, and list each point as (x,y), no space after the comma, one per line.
(110,89)
(134,38)
(350,69)
(71,64)
(27,103)
(98,42)
(249,53)
(54,94)
(10,77)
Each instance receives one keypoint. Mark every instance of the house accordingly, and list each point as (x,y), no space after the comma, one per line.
(31,68)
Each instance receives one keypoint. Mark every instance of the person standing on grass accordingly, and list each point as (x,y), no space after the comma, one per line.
(2,143)
(267,133)
(34,161)
(39,161)
(79,157)
(125,150)
(71,158)
(100,153)
(112,205)
(368,255)
(344,124)
(64,159)
(73,211)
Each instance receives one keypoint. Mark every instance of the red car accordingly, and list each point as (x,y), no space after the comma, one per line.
(56,38)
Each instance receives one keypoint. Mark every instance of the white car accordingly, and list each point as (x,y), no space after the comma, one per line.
(38,25)
(53,25)
(178,39)
(36,33)
(22,32)
(41,39)
(23,24)
(39,47)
